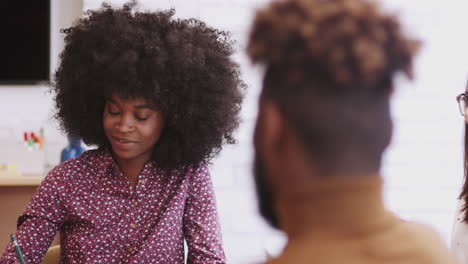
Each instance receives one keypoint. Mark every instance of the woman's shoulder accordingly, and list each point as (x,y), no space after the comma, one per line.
(89,161)
(459,237)
(199,174)
(189,173)
(193,170)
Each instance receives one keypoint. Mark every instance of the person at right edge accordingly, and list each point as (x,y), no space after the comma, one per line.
(324,121)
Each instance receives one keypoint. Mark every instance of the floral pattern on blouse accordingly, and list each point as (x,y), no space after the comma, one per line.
(102,219)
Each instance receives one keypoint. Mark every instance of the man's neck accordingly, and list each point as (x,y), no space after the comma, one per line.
(337,204)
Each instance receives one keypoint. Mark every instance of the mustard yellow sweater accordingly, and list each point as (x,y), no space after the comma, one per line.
(344,221)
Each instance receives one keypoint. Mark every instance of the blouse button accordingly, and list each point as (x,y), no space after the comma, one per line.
(143,182)
(133,226)
(136,203)
(130,249)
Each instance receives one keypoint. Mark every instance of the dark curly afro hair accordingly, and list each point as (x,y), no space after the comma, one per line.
(182,66)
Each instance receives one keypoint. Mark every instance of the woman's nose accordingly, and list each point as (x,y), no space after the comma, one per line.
(126,124)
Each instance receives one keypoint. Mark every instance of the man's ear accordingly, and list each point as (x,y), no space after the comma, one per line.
(270,130)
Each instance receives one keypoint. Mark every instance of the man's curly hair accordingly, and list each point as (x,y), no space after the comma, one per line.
(182,66)
(345,44)
(330,66)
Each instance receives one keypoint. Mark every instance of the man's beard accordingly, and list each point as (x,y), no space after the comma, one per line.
(264,194)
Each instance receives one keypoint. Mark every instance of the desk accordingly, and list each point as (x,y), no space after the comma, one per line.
(15,193)
(21,180)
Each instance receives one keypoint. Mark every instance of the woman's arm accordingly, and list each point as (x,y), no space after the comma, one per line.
(201,225)
(40,222)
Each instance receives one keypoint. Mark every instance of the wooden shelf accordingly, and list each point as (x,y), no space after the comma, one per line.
(20,180)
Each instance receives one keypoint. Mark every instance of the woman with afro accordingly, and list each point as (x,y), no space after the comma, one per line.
(159,97)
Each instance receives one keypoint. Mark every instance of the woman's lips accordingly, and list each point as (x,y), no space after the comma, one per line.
(122,142)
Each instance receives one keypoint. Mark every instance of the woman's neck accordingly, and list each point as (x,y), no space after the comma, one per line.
(131,168)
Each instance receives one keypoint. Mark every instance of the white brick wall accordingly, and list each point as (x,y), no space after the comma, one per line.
(423,167)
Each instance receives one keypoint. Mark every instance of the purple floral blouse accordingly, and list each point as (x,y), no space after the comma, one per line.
(102,219)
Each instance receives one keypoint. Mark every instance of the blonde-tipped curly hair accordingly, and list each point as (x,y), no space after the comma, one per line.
(352,40)
(330,66)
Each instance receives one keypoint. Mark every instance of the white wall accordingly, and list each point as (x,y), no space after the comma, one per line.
(423,167)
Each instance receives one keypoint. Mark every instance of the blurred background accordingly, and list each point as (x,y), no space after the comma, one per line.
(423,167)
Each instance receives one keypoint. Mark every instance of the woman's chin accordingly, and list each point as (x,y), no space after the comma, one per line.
(123,154)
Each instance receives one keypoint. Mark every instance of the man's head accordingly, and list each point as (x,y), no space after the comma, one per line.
(324,108)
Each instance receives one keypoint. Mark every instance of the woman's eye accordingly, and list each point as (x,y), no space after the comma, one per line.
(112,110)
(112,113)
(141,118)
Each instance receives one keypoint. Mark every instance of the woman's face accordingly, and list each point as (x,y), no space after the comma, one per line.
(132,126)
